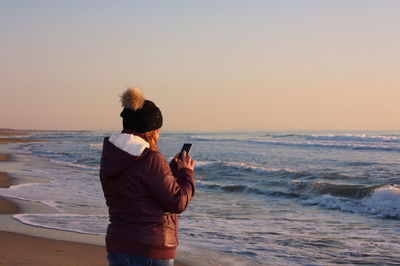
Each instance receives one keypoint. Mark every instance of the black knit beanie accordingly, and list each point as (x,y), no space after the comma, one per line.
(139,115)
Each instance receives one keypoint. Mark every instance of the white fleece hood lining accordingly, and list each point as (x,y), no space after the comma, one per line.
(132,144)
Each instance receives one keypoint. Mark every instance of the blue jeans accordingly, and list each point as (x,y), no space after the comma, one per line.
(122,259)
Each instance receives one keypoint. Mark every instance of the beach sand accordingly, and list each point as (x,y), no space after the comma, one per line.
(19,249)
(16,140)
(8,207)
(5,157)
(5,179)
(12,132)
(16,249)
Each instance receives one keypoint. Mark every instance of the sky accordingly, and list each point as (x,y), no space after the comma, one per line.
(209,65)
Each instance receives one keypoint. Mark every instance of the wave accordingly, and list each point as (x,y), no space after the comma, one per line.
(86,224)
(355,146)
(358,138)
(244,189)
(381,202)
(280,173)
(240,166)
(339,137)
(76,165)
(283,135)
(10,192)
(384,146)
(204,138)
(359,163)
(341,190)
(227,188)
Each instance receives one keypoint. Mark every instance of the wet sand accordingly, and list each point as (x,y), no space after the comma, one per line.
(5,157)
(16,140)
(5,179)
(16,249)
(8,207)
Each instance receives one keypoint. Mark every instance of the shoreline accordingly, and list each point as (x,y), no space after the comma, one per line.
(6,206)
(23,249)
(35,245)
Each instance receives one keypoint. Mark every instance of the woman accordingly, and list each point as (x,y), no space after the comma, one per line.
(143,193)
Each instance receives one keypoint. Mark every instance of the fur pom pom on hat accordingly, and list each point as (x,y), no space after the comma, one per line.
(132,99)
(139,115)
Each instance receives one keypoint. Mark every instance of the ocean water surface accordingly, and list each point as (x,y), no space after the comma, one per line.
(283,198)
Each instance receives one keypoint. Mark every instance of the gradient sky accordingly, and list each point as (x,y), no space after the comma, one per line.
(209,65)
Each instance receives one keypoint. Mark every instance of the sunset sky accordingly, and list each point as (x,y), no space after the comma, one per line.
(208,65)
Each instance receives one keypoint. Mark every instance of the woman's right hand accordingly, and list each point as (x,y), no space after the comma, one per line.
(185,162)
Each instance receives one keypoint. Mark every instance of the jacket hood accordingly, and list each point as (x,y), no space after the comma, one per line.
(132,144)
(119,151)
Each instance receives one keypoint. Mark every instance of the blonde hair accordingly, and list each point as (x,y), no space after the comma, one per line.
(151,137)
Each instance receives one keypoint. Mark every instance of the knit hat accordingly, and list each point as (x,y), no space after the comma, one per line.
(139,115)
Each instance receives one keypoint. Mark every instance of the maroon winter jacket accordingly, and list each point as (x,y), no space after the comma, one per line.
(144,196)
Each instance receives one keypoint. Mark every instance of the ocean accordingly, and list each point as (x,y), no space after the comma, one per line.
(279,198)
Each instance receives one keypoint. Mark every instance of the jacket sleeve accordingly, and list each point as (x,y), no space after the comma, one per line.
(173,194)
(173,166)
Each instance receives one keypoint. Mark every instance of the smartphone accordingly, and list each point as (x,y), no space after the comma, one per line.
(186,147)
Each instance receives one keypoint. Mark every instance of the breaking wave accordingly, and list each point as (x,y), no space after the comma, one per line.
(381,202)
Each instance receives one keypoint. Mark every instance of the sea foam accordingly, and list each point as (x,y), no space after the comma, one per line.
(383,202)
(87,224)
(73,164)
